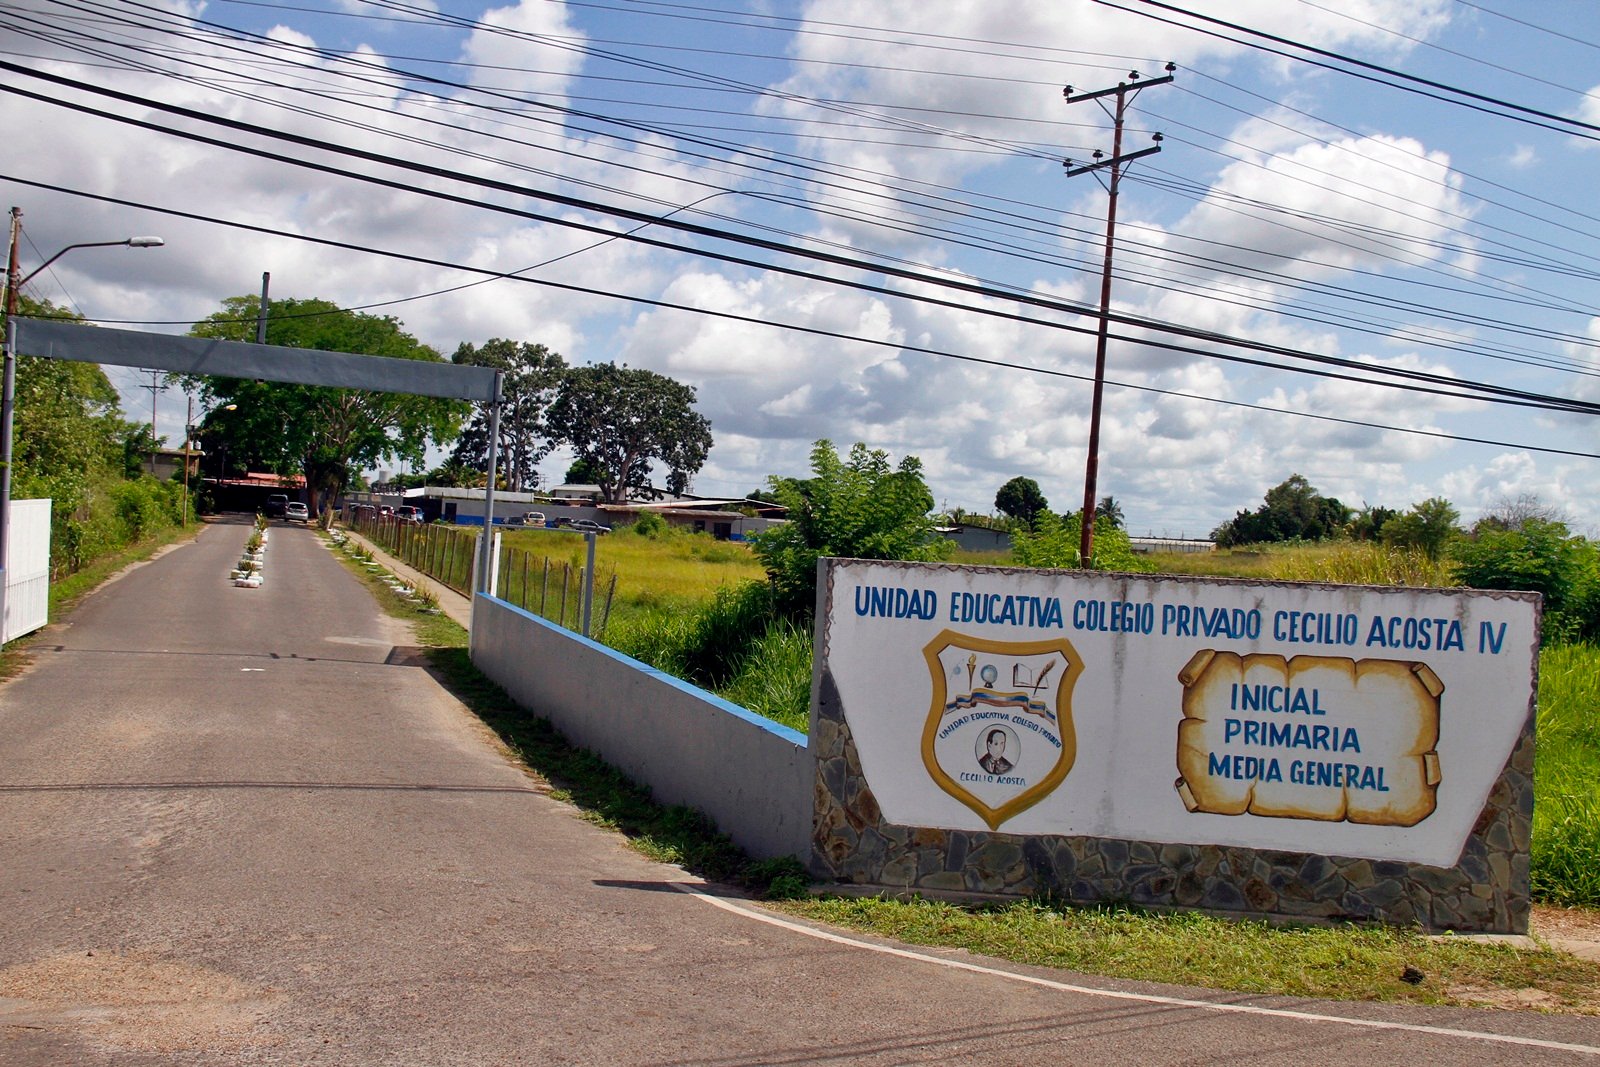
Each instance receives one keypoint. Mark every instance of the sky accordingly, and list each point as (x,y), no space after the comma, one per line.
(887,244)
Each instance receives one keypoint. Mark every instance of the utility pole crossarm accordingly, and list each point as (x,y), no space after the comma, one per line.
(1123,87)
(1114,161)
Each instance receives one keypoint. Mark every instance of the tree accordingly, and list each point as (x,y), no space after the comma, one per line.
(532,375)
(621,419)
(1369,522)
(70,443)
(1021,499)
(1293,510)
(1112,510)
(1427,527)
(583,472)
(323,433)
(860,508)
(1511,513)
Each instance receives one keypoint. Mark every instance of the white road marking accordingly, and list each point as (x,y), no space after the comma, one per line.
(1143,998)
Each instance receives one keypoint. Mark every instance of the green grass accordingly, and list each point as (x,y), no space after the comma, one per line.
(1339,962)
(1344,562)
(1566,813)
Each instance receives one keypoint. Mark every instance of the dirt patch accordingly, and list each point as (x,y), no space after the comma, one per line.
(1574,930)
(1520,999)
(136,1002)
(1576,924)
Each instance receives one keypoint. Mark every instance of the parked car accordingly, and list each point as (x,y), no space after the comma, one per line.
(408,514)
(533,518)
(295,511)
(589,526)
(277,505)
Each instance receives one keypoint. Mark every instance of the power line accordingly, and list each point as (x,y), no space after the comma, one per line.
(705,231)
(793,327)
(1446,93)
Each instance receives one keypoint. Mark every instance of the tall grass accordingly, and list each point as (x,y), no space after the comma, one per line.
(1339,562)
(1566,814)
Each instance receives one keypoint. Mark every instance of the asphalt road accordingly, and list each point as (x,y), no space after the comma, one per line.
(244,826)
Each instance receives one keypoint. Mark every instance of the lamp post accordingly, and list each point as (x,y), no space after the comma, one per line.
(222,471)
(15,280)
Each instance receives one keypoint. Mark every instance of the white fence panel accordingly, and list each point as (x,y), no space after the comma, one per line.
(27,570)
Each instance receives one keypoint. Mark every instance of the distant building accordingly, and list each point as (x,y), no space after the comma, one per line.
(723,518)
(167,463)
(974,538)
(1148,544)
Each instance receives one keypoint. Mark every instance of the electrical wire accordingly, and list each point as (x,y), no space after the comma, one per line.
(797,328)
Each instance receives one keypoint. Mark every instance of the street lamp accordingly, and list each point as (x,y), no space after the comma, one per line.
(14,287)
(14,284)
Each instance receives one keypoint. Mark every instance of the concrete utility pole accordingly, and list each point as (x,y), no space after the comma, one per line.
(261,308)
(1124,92)
(156,389)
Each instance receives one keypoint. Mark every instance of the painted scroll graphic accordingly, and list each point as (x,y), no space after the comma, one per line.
(1312,737)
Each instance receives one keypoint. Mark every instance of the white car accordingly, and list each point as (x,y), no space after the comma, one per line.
(296,511)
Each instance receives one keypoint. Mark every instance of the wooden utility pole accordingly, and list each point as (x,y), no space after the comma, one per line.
(1124,92)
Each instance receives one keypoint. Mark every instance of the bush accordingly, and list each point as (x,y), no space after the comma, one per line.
(1542,557)
(774,679)
(650,525)
(1566,811)
(1054,541)
(144,506)
(860,508)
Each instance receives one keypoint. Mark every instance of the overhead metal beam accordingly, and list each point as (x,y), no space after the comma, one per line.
(55,339)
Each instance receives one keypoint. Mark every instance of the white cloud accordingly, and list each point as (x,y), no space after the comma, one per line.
(1588,109)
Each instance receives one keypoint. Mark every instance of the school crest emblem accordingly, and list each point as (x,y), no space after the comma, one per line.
(999,734)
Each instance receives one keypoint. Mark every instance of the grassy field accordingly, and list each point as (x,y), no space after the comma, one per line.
(672,574)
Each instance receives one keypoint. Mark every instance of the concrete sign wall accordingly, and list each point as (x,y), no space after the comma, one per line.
(1364,723)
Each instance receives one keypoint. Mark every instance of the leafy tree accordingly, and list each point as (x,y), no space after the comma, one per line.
(621,419)
(583,472)
(323,433)
(71,444)
(1055,539)
(1021,499)
(1427,527)
(532,375)
(860,508)
(1369,522)
(1293,510)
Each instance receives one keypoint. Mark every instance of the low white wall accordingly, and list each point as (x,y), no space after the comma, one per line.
(751,776)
